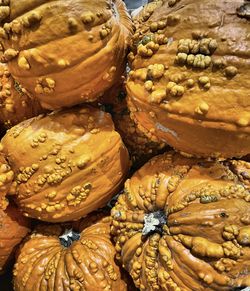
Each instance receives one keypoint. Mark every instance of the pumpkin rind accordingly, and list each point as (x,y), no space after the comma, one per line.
(190,83)
(66,164)
(83,42)
(15,104)
(183,224)
(13,228)
(6,177)
(140,147)
(88,264)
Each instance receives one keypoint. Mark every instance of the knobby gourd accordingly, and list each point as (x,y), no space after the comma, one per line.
(13,228)
(54,258)
(6,177)
(15,104)
(66,164)
(184,224)
(140,147)
(63,52)
(189,82)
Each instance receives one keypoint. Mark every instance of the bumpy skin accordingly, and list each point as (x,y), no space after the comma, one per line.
(190,80)
(66,52)
(140,147)
(13,228)
(15,104)
(204,243)
(6,177)
(88,264)
(66,164)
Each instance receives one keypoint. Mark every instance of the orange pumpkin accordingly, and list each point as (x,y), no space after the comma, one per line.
(65,52)
(67,164)
(81,259)
(140,147)
(6,177)
(184,224)
(190,79)
(13,228)
(15,104)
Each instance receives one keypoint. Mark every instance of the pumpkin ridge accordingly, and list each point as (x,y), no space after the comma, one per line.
(175,245)
(72,64)
(58,273)
(58,39)
(29,7)
(207,122)
(33,263)
(51,265)
(46,271)
(90,258)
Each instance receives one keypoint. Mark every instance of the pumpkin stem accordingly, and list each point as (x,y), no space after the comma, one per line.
(68,238)
(244,11)
(154,222)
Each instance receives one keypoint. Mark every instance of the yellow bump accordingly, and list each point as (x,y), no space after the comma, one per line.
(190,83)
(35,167)
(51,83)
(62,63)
(39,89)
(204,80)
(158,95)
(243,122)
(10,54)
(4,12)
(148,85)
(202,108)
(83,162)
(3,33)
(88,17)
(52,194)
(34,17)
(72,22)
(231,71)
(154,26)
(103,33)
(23,63)
(156,71)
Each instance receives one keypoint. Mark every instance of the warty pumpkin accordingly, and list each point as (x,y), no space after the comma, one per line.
(63,52)
(79,259)
(15,104)
(140,147)
(6,177)
(189,82)
(13,228)
(184,225)
(66,164)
